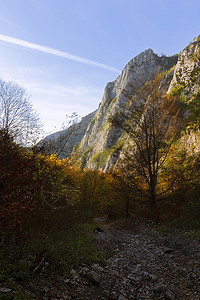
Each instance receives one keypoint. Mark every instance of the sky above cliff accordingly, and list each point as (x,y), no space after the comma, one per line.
(63,52)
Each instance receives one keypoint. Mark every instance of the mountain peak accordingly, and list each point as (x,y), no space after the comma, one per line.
(94,148)
(97,145)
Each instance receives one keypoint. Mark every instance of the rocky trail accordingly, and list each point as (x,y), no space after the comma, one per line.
(145,265)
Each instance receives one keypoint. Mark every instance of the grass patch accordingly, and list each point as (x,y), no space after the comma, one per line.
(47,254)
(26,266)
(101,157)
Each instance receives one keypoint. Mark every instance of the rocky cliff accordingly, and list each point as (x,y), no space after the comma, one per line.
(96,144)
(101,144)
(186,79)
(186,84)
(62,142)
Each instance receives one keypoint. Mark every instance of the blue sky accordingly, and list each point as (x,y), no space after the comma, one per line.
(63,52)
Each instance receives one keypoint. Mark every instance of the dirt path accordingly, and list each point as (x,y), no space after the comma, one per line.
(145,265)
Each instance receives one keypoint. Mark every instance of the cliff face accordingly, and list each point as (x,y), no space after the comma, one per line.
(186,79)
(96,144)
(62,142)
(101,144)
(186,84)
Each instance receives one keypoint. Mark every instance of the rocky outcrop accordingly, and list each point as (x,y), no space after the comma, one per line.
(186,84)
(186,79)
(101,144)
(62,142)
(97,144)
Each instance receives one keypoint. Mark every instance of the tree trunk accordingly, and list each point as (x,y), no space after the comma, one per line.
(154,207)
(127,208)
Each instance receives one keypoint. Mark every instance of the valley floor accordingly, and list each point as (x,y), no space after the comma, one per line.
(144,264)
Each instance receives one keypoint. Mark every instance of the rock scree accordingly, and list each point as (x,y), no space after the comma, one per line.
(145,265)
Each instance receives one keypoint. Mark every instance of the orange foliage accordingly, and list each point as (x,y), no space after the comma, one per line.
(23,175)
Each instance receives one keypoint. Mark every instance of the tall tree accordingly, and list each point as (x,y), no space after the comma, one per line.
(17,117)
(149,121)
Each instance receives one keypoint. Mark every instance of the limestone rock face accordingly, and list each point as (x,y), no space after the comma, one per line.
(101,144)
(186,77)
(62,142)
(95,143)
(186,83)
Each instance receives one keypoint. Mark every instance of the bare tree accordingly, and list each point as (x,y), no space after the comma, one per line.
(17,117)
(149,121)
(62,142)
(59,192)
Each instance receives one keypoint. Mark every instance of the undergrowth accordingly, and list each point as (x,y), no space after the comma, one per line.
(187,223)
(51,254)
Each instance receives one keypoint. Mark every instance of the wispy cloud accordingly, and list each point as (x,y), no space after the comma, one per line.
(38,47)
